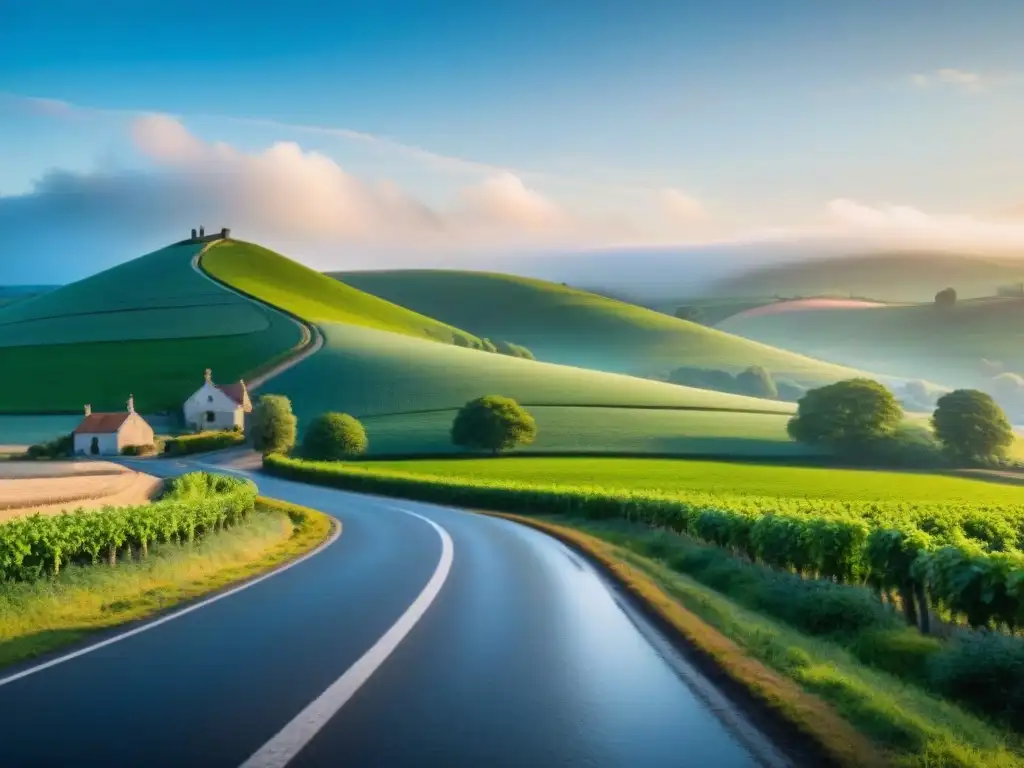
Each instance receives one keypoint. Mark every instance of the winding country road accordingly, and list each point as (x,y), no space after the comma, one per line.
(422,636)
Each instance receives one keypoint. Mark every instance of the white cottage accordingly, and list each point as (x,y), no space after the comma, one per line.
(106,434)
(214,407)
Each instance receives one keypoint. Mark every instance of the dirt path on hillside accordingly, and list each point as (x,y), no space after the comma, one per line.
(312,338)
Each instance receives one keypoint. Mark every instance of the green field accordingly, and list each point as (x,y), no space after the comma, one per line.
(915,341)
(283,283)
(147,327)
(897,276)
(671,476)
(573,327)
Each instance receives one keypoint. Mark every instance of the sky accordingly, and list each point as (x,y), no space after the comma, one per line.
(367,134)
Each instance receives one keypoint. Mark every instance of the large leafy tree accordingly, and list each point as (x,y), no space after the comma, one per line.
(274,426)
(334,437)
(848,415)
(971,425)
(493,423)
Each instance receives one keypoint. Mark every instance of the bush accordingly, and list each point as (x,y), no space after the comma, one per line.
(146,449)
(704,378)
(493,423)
(691,313)
(202,442)
(274,426)
(514,350)
(334,437)
(58,447)
(903,652)
(971,426)
(487,345)
(847,415)
(945,298)
(757,382)
(985,669)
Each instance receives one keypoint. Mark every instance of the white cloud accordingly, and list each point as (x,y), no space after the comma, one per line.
(959,79)
(906,225)
(681,206)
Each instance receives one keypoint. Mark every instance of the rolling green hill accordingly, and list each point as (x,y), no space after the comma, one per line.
(147,327)
(407,389)
(899,276)
(564,325)
(915,341)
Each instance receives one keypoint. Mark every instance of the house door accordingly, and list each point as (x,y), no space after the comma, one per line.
(94,448)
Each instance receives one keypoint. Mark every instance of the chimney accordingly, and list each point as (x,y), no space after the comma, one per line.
(131,403)
(209,376)
(88,409)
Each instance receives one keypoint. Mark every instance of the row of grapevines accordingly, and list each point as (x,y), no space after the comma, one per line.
(193,505)
(967,558)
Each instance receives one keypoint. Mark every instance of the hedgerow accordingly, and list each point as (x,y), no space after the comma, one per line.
(961,558)
(193,505)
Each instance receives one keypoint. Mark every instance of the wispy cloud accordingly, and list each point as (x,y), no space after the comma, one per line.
(957,79)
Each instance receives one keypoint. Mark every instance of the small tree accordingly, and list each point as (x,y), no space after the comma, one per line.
(847,415)
(273,425)
(493,423)
(971,426)
(945,298)
(334,437)
(756,381)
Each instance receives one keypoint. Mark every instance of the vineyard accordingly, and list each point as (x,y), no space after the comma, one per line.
(193,505)
(961,560)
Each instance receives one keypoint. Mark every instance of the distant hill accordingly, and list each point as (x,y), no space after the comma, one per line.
(12,293)
(897,276)
(573,327)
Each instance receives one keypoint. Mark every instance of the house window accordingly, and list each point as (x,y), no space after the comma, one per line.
(210,416)
(209,398)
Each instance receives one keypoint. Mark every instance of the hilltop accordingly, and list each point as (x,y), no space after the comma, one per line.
(896,276)
(573,327)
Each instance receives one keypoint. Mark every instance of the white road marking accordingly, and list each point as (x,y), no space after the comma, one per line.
(169,617)
(280,750)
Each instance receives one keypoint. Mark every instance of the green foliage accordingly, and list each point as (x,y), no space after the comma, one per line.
(756,381)
(487,345)
(51,449)
(201,442)
(971,425)
(692,313)
(946,298)
(31,547)
(146,449)
(514,350)
(274,425)
(967,557)
(847,415)
(493,423)
(985,669)
(334,437)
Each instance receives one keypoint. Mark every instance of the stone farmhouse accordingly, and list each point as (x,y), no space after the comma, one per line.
(216,407)
(107,434)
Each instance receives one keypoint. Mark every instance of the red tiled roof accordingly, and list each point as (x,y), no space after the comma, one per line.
(101,423)
(234,391)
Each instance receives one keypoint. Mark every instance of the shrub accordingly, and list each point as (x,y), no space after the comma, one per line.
(903,652)
(945,298)
(334,437)
(756,381)
(514,350)
(56,448)
(691,313)
(847,415)
(202,441)
(273,425)
(493,423)
(146,449)
(985,669)
(487,345)
(971,426)
(461,341)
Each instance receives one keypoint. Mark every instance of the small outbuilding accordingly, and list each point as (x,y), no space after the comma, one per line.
(107,434)
(217,407)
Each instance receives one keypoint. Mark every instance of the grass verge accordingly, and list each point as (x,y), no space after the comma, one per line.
(38,617)
(854,714)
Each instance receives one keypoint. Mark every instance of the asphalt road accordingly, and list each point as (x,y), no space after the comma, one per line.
(505,650)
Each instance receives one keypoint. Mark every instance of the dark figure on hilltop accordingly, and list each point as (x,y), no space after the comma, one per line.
(193,233)
(202,231)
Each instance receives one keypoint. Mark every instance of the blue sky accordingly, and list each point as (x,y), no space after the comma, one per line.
(758,115)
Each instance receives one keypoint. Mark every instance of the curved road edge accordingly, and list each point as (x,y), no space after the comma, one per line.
(313,338)
(117,633)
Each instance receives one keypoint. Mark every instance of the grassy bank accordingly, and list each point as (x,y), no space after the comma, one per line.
(853,714)
(39,616)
